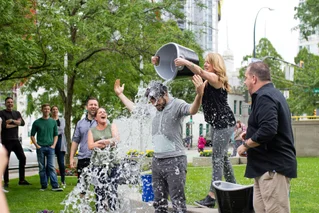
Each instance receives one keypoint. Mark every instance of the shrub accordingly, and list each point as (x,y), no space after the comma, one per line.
(68,171)
(135,153)
(206,153)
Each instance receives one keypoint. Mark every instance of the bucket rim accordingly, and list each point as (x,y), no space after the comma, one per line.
(238,186)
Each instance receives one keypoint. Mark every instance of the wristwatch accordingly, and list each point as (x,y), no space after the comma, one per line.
(246,145)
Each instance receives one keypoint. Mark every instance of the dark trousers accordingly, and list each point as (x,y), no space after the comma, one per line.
(169,177)
(60,158)
(15,146)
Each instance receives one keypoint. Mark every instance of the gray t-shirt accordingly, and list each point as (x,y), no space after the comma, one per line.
(167,128)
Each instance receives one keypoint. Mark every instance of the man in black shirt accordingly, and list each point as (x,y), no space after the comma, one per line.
(11,120)
(269,144)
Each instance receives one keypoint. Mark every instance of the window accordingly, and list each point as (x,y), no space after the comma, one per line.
(240,107)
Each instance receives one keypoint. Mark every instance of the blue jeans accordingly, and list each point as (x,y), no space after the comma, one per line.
(46,154)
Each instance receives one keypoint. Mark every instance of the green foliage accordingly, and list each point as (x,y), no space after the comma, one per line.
(303,98)
(307,13)
(19,55)
(86,45)
(266,51)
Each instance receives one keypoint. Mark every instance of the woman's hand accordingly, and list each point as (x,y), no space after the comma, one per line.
(199,84)
(180,62)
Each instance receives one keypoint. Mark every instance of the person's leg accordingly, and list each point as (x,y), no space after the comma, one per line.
(175,171)
(42,170)
(50,154)
(274,189)
(17,149)
(221,163)
(258,202)
(160,187)
(60,158)
(8,146)
(83,176)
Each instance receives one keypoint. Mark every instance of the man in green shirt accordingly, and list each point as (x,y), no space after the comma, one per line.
(47,135)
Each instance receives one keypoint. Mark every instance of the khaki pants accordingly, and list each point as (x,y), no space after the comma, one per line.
(271,193)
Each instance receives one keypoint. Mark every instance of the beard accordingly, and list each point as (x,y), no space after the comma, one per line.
(161,106)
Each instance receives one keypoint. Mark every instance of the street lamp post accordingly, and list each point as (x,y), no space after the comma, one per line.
(254,53)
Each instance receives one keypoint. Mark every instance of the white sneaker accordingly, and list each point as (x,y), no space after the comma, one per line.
(4,190)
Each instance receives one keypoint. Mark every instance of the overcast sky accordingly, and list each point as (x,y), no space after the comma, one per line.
(238,16)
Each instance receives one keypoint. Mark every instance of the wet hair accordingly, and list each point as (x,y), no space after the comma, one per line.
(89,99)
(45,105)
(155,90)
(259,69)
(7,98)
(217,61)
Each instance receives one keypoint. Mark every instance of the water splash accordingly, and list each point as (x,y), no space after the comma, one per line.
(108,188)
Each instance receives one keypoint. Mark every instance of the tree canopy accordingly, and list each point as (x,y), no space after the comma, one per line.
(307,13)
(78,48)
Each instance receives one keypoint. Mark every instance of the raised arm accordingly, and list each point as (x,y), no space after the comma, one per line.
(118,89)
(211,77)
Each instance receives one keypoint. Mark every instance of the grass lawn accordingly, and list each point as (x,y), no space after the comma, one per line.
(304,189)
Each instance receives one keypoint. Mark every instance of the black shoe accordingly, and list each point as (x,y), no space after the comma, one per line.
(24,182)
(57,189)
(207,202)
(6,185)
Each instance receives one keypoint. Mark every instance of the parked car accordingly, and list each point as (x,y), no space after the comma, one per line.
(31,158)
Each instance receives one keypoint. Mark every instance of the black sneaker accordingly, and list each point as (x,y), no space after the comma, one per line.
(57,189)
(207,202)
(6,185)
(24,182)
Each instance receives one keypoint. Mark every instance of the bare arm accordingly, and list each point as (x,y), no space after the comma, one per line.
(55,140)
(3,163)
(212,78)
(118,89)
(74,147)
(35,142)
(199,85)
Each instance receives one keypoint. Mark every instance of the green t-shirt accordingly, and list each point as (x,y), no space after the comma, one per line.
(46,130)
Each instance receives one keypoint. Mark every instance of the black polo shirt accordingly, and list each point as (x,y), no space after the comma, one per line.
(269,124)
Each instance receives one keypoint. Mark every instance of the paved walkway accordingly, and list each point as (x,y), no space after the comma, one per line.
(136,198)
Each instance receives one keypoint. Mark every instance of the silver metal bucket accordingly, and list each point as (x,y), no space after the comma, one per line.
(166,68)
(234,198)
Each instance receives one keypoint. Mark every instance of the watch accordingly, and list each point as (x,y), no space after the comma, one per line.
(246,145)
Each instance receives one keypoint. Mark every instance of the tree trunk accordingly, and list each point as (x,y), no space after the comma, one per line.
(68,113)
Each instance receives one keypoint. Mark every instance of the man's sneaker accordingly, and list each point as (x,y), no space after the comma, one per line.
(24,182)
(207,202)
(43,188)
(57,189)
(4,190)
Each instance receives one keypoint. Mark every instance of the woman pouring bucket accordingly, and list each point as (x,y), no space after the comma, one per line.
(172,61)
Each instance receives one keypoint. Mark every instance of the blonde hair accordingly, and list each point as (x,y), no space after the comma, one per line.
(217,61)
